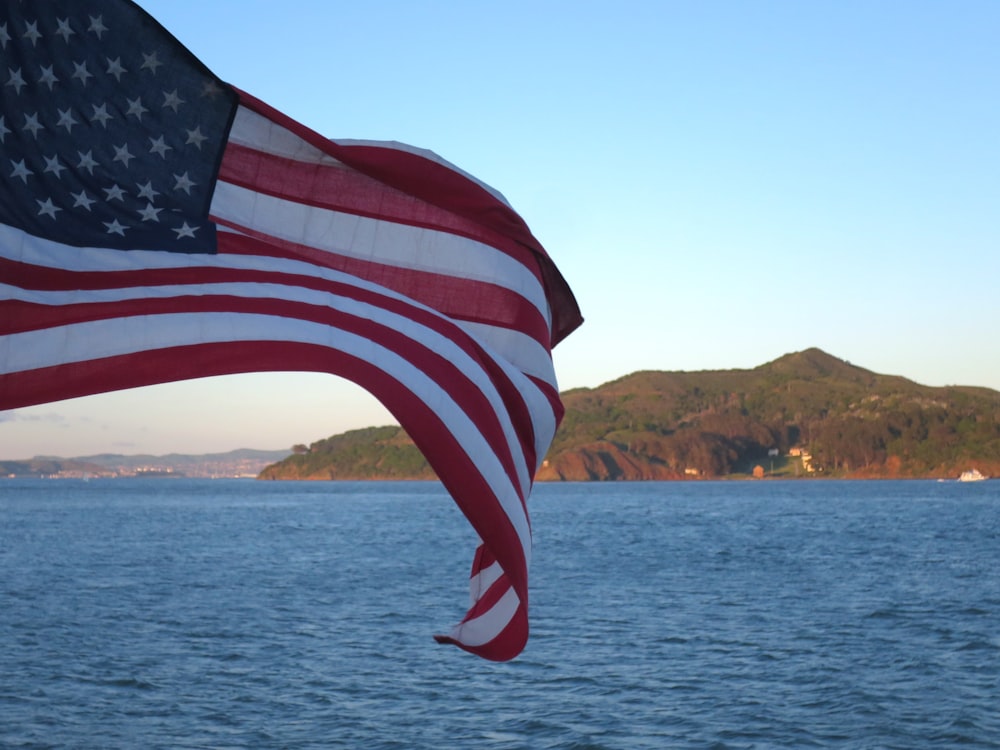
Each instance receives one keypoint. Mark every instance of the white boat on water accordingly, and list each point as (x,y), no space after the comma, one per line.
(972,475)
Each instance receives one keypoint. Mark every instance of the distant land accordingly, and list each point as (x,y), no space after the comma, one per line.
(806,414)
(244,462)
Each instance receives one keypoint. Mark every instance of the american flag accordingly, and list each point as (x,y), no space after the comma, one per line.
(157,224)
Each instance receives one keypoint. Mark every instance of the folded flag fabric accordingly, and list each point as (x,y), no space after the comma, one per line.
(157,224)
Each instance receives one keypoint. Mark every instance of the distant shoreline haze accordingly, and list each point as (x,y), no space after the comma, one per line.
(244,462)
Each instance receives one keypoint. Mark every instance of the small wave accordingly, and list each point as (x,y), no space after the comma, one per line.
(673,639)
(129,682)
(974,612)
(977,645)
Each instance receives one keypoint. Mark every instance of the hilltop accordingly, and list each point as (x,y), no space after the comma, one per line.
(806,413)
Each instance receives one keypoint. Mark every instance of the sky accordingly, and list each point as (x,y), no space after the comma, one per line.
(721,183)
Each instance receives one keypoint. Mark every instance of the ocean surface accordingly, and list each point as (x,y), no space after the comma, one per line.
(239,614)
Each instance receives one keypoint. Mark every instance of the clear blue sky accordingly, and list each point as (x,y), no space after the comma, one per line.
(720,182)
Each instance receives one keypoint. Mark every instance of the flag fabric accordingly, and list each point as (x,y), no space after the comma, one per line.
(157,224)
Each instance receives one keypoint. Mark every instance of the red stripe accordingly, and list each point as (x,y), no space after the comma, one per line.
(484,558)
(521,418)
(550,393)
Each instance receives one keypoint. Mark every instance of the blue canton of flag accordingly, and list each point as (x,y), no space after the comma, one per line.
(108,136)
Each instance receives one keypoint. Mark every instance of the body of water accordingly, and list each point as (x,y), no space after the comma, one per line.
(241,614)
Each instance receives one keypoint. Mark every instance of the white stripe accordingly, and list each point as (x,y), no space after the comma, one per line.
(480,583)
(118,336)
(373,240)
(520,349)
(263,134)
(487,626)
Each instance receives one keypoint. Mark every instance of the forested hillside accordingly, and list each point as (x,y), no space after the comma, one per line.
(847,421)
(370,453)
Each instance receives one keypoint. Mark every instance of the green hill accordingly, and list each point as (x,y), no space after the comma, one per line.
(369,453)
(806,413)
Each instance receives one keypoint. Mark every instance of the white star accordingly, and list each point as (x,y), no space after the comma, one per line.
(52,165)
(115,68)
(86,161)
(184,183)
(185,231)
(20,170)
(172,100)
(195,137)
(48,77)
(31,123)
(32,33)
(97,25)
(149,213)
(151,61)
(66,119)
(82,200)
(135,108)
(47,208)
(115,193)
(211,89)
(101,114)
(122,154)
(4,36)
(16,79)
(115,227)
(80,71)
(64,30)
(4,130)
(146,191)
(159,146)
